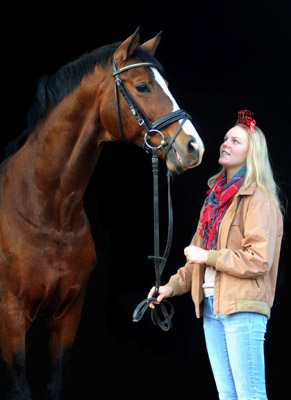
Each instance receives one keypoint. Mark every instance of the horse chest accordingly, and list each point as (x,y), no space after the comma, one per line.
(74,256)
(61,277)
(55,262)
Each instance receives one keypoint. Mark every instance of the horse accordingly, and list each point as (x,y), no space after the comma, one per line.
(47,253)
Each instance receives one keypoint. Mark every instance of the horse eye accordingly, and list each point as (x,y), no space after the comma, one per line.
(143,88)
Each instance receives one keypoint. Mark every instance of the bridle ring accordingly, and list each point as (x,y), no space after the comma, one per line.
(149,136)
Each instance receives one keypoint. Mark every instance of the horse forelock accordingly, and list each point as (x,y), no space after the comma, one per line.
(51,89)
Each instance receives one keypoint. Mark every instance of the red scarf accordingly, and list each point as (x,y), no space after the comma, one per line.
(219,198)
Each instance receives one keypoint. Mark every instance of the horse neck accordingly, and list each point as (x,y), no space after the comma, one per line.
(61,154)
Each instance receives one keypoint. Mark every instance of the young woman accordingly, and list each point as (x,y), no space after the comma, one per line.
(232,262)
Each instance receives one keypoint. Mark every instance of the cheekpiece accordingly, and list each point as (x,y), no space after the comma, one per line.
(245,118)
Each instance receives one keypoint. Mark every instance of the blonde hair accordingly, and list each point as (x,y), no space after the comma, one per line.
(258,165)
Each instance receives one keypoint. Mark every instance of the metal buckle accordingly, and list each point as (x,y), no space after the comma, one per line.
(148,137)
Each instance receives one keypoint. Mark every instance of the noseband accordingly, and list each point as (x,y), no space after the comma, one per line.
(150,128)
(164,317)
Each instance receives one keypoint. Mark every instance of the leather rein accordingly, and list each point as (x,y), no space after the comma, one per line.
(163,318)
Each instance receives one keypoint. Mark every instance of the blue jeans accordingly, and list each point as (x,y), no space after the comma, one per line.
(235,346)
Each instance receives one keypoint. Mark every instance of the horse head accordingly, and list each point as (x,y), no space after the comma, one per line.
(146,112)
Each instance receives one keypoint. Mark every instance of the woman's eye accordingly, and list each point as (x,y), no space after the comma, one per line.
(143,88)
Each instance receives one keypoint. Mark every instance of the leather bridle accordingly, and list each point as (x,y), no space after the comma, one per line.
(151,129)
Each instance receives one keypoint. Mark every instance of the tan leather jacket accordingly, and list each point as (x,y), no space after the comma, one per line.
(246,263)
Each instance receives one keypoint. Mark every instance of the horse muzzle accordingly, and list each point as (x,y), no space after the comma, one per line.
(181,152)
(180,159)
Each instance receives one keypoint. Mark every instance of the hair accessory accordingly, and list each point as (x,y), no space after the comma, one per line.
(245,118)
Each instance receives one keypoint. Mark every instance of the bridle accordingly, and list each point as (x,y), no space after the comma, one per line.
(151,129)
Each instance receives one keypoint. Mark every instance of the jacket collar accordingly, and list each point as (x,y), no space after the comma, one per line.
(249,190)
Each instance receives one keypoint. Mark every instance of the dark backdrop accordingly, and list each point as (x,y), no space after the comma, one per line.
(219,57)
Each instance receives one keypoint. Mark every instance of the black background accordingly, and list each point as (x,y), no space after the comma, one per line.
(219,57)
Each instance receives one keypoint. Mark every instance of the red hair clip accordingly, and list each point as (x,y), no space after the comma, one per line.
(245,118)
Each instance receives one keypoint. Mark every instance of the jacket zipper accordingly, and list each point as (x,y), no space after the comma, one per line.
(218,298)
(236,199)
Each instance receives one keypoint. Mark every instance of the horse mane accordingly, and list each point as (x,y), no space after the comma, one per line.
(51,89)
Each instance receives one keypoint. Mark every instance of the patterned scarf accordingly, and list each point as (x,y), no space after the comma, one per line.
(219,198)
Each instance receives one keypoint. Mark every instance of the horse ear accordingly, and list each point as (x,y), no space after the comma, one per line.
(126,48)
(152,44)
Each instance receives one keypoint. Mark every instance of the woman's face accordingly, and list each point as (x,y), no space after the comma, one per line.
(234,150)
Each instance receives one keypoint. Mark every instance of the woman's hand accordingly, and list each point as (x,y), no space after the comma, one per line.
(195,255)
(164,292)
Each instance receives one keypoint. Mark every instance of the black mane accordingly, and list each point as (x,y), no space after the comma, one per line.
(52,89)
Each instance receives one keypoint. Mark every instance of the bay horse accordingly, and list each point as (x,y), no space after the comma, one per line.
(46,248)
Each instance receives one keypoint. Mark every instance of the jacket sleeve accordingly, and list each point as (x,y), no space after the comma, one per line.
(263,225)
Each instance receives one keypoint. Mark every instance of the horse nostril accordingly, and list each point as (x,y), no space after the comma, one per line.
(193,146)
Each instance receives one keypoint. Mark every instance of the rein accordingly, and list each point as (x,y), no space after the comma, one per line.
(164,317)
